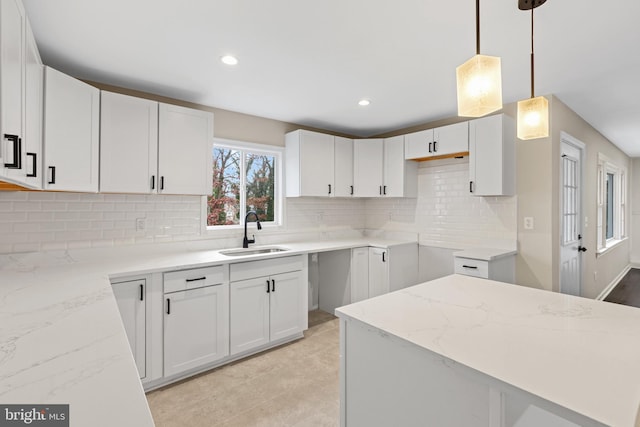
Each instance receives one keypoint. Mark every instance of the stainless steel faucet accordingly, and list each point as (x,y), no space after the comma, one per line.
(246,241)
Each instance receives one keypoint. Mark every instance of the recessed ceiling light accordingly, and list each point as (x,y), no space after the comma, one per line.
(364,102)
(229,60)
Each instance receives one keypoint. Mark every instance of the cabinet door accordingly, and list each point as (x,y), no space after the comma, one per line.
(128,144)
(359,274)
(130,297)
(343,167)
(71,134)
(492,156)
(34,94)
(367,167)
(185,147)
(451,139)
(378,272)
(285,305)
(418,145)
(316,164)
(12,33)
(196,328)
(394,167)
(249,314)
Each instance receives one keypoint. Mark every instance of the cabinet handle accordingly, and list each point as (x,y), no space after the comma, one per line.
(268,289)
(383,260)
(435,150)
(329,188)
(162,182)
(384,190)
(470,266)
(34,156)
(430,147)
(381,190)
(153,182)
(470,186)
(141,292)
(53,175)
(17,151)
(195,280)
(273,285)
(351,190)
(168,306)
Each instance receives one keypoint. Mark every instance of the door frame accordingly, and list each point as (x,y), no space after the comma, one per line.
(566,138)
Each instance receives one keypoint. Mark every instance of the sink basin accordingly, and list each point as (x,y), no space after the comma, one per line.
(253,251)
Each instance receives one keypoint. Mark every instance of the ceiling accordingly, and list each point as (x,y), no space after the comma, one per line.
(309,62)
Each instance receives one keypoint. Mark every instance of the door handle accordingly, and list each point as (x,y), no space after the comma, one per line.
(351,189)
(329,188)
(383,260)
(384,190)
(153,182)
(53,175)
(33,165)
(582,249)
(162,182)
(435,150)
(168,306)
(141,292)
(17,151)
(268,289)
(430,147)
(273,285)
(470,186)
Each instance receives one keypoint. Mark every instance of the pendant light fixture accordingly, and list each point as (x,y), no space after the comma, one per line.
(479,81)
(533,113)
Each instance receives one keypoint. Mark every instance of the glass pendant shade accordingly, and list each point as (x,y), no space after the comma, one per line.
(533,118)
(479,82)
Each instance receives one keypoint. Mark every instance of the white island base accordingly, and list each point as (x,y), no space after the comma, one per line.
(467,352)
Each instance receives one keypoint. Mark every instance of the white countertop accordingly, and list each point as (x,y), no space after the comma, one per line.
(485,254)
(61,337)
(578,353)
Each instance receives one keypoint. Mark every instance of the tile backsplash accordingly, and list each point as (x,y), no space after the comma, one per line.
(444,215)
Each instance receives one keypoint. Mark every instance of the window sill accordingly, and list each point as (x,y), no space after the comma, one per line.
(611,243)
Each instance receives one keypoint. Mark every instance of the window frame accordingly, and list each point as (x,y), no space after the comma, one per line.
(245,147)
(607,167)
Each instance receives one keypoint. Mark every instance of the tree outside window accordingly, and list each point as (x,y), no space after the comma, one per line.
(243,179)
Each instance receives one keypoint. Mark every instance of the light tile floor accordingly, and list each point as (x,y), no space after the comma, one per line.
(293,385)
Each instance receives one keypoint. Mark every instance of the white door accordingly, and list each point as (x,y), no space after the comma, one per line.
(359,274)
(285,303)
(249,314)
(343,152)
(130,297)
(419,145)
(571,248)
(185,150)
(394,164)
(378,272)
(71,133)
(196,328)
(316,164)
(128,144)
(451,139)
(367,167)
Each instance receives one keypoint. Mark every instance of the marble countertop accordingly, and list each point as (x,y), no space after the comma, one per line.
(485,254)
(61,337)
(578,353)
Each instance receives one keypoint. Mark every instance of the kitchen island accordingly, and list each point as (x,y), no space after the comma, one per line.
(463,351)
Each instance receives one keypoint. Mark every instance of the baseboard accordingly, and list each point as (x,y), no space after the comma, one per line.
(606,291)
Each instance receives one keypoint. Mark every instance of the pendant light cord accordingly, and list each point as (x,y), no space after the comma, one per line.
(532,72)
(477,27)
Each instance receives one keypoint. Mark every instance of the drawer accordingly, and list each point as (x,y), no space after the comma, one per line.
(194,278)
(471,267)
(266,267)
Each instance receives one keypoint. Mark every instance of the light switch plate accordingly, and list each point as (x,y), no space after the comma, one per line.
(528,223)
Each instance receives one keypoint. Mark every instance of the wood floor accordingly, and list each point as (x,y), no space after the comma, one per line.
(627,292)
(293,385)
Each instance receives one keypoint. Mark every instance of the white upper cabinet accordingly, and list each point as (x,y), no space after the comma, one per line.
(492,156)
(438,142)
(71,133)
(309,164)
(400,177)
(368,167)
(343,167)
(185,146)
(128,144)
(20,99)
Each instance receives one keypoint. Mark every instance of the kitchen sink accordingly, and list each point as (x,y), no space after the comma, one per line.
(253,251)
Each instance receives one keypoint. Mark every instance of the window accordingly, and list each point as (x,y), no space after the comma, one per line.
(612,187)
(246,177)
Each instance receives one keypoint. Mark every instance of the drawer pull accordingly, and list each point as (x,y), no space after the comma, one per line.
(195,280)
(168,306)
(470,266)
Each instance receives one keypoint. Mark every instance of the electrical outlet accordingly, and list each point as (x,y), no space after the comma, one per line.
(141,224)
(595,276)
(528,223)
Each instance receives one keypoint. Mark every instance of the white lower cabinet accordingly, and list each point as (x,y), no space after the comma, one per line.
(132,303)
(265,309)
(378,272)
(359,274)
